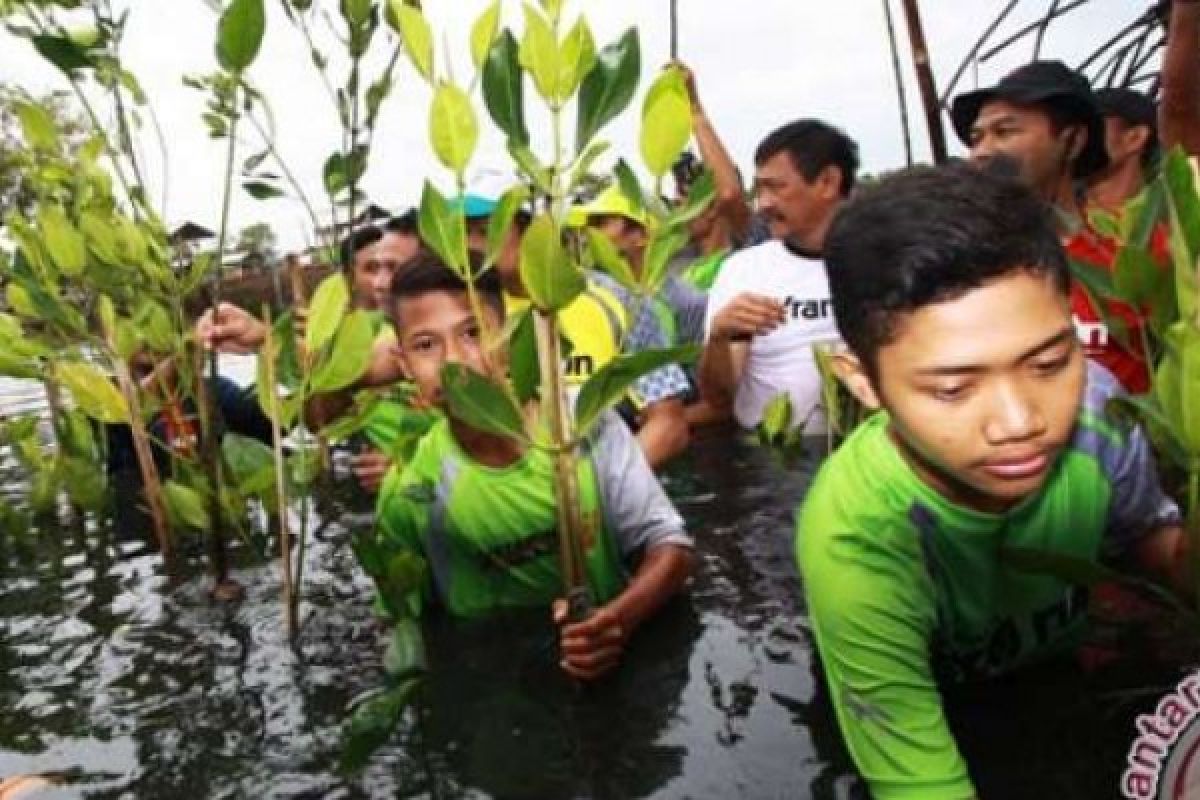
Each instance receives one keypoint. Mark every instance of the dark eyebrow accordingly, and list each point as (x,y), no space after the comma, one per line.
(1065,335)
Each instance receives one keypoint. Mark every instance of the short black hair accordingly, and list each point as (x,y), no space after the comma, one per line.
(405,223)
(426,272)
(812,145)
(928,235)
(355,241)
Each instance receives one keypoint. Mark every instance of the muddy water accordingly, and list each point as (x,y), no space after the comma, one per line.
(125,681)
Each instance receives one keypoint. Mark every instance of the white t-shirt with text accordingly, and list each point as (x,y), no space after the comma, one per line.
(780,361)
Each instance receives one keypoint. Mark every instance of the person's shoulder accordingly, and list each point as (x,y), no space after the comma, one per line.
(855,505)
(414,481)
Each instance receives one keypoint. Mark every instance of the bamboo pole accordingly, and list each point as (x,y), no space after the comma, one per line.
(285,546)
(901,95)
(925,81)
(151,483)
(566,484)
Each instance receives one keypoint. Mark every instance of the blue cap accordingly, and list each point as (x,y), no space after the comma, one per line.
(474,206)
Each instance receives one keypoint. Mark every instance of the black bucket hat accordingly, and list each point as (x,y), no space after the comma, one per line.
(1047,83)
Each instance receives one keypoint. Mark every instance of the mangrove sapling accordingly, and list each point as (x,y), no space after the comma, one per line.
(531,403)
(1168,297)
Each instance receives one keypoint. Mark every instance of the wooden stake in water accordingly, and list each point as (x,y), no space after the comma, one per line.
(285,544)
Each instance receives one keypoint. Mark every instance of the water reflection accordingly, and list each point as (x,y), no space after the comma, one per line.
(128,682)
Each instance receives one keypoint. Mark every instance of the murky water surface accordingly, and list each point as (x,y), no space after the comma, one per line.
(125,681)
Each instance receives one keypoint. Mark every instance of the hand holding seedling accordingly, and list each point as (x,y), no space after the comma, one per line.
(369,467)
(592,647)
(230,330)
(747,315)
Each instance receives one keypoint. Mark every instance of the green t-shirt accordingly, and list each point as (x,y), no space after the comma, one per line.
(489,535)
(903,585)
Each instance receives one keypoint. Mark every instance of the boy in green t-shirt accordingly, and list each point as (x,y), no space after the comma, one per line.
(950,289)
(481,509)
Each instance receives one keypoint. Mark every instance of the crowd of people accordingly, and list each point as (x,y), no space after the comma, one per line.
(945,295)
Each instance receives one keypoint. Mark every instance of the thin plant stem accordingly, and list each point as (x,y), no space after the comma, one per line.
(285,555)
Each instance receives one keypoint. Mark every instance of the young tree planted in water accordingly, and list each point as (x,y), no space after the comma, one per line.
(530,403)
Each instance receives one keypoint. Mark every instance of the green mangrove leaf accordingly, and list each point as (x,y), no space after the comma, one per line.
(261,190)
(245,456)
(453,129)
(576,59)
(95,395)
(1105,222)
(1183,207)
(84,483)
(529,165)
(43,492)
(608,258)
(479,402)
(502,88)
(553,282)
(185,506)
(666,122)
(377,92)
(240,34)
(524,367)
(610,383)
(483,33)
(442,228)
(608,87)
(375,716)
(64,243)
(583,164)
(539,55)
(326,310)
(700,196)
(502,219)
(1177,383)
(344,170)
(414,30)
(37,126)
(154,325)
(63,53)
(350,355)
(776,421)
(665,243)
(1147,410)
(405,654)
(628,183)
(101,238)
(553,8)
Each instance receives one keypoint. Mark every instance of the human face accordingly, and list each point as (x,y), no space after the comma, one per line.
(628,237)
(983,390)
(796,209)
(1026,135)
(1124,142)
(436,328)
(375,265)
(508,259)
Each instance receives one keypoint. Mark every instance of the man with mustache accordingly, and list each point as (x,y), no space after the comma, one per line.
(770,303)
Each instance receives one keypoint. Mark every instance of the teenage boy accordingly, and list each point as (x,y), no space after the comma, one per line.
(480,507)
(770,303)
(950,290)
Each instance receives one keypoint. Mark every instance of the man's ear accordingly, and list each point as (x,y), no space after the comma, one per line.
(853,375)
(829,181)
(1075,139)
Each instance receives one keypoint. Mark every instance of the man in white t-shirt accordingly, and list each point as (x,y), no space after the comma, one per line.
(770,303)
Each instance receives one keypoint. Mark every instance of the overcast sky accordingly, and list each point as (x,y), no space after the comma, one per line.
(759,63)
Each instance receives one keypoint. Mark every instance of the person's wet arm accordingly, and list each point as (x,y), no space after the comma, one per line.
(1179,107)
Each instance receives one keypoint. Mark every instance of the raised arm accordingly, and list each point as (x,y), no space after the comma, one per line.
(731,199)
(1179,109)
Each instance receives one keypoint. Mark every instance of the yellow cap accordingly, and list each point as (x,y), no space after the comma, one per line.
(611,202)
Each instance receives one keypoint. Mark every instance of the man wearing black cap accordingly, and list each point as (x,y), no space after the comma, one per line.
(1131,138)
(1042,123)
